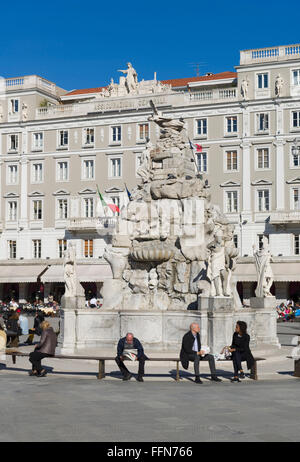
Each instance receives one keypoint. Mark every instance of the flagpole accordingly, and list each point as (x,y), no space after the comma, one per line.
(195,159)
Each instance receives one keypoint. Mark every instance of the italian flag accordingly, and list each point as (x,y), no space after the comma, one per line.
(113,207)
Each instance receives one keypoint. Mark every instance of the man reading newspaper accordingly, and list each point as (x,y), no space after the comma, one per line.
(130,348)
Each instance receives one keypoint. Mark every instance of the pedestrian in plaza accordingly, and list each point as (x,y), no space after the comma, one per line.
(13,330)
(3,341)
(240,351)
(36,330)
(191,351)
(45,348)
(23,321)
(130,347)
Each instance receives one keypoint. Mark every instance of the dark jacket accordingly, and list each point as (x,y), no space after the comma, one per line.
(136,345)
(241,344)
(187,348)
(37,323)
(13,327)
(48,342)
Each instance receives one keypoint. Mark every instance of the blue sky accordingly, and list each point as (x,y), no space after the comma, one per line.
(81,44)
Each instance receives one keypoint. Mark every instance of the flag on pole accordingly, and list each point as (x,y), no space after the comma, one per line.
(195,146)
(128,193)
(113,207)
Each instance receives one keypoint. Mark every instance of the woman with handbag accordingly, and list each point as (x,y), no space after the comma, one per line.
(240,350)
(13,330)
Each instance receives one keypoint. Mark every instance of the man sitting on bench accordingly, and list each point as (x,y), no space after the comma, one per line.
(130,347)
(191,351)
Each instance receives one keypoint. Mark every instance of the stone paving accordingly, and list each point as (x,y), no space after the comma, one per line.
(71,405)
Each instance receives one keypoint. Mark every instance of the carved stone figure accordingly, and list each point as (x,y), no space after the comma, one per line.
(217,272)
(244,88)
(24,111)
(117,261)
(144,169)
(131,78)
(278,86)
(264,271)
(73,287)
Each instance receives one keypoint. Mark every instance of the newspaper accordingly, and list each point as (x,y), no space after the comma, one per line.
(130,354)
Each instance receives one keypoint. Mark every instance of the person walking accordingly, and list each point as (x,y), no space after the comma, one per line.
(13,330)
(3,341)
(45,348)
(23,321)
(130,347)
(240,350)
(191,351)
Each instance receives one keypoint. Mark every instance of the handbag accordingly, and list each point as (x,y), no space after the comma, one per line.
(11,333)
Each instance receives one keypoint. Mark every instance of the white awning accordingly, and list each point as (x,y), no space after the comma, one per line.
(22,273)
(86,273)
(283,271)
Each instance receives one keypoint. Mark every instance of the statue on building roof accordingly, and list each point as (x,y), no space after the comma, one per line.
(131,78)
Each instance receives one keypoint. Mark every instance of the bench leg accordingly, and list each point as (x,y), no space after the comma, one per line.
(14,358)
(297,368)
(253,372)
(101,373)
(177,371)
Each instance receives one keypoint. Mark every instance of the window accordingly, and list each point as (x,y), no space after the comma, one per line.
(231,124)
(262,122)
(37,248)
(296,119)
(231,201)
(12,210)
(115,167)
(89,136)
(13,142)
(296,198)
(37,209)
(296,77)
(296,160)
(14,106)
(263,200)
(88,169)
(201,161)
(262,80)
(143,132)
(296,244)
(201,127)
(12,177)
(62,247)
(231,160)
(62,209)
(263,158)
(38,141)
(37,173)
(88,248)
(63,139)
(62,170)
(88,207)
(116,134)
(12,249)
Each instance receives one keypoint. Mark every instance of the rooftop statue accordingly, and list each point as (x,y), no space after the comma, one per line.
(131,78)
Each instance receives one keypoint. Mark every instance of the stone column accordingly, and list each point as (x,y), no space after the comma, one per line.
(99,286)
(22,292)
(23,221)
(246,212)
(281,291)
(280,183)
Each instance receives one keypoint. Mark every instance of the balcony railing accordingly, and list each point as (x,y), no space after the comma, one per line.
(280,53)
(285,217)
(30,81)
(98,224)
(214,95)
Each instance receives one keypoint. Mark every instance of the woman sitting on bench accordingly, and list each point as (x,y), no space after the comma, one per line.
(240,350)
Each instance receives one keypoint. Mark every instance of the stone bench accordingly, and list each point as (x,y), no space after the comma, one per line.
(101,360)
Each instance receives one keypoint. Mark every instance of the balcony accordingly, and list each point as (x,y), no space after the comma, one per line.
(32,81)
(214,95)
(262,55)
(281,218)
(101,225)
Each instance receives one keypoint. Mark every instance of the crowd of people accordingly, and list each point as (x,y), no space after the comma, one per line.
(288,311)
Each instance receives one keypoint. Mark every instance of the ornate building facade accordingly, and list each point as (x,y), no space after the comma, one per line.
(57,146)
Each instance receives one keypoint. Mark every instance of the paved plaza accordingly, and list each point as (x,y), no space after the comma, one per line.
(71,405)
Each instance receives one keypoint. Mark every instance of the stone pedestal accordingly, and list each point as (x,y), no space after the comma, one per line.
(265,320)
(73,303)
(219,321)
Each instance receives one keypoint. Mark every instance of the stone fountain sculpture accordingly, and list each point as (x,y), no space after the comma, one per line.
(171,244)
